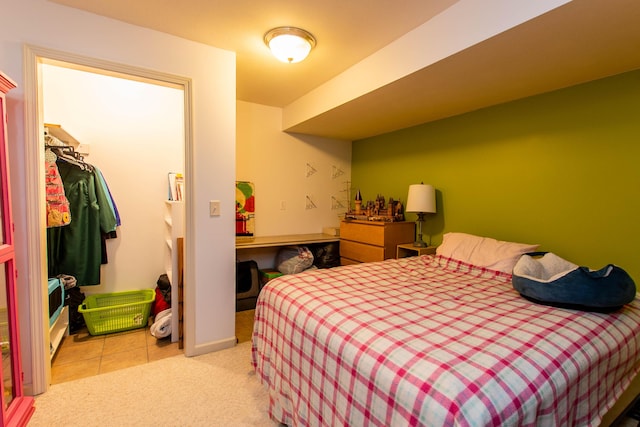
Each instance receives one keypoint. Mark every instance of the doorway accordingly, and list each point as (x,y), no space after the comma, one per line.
(133,132)
(130,156)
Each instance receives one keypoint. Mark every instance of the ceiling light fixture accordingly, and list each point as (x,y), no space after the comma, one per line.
(289,44)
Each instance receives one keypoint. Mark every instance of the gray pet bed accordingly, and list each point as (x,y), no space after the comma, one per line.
(545,278)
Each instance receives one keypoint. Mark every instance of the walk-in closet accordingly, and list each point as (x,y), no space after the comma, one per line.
(132,132)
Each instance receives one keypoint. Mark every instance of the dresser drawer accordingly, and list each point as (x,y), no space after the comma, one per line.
(367,241)
(372,234)
(361,252)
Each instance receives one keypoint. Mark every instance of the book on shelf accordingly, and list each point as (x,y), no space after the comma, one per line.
(176,186)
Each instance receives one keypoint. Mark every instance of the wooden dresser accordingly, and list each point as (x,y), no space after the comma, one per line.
(365,241)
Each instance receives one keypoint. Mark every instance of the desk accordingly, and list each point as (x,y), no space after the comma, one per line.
(264,249)
(285,240)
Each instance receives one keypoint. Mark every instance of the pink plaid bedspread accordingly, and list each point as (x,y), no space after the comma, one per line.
(435,342)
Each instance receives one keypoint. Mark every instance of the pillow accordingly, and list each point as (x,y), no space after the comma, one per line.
(483,251)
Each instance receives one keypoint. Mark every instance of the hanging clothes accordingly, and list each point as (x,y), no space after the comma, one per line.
(107,234)
(58,212)
(112,203)
(77,249)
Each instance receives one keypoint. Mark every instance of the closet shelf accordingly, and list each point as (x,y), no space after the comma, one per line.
(59,330)
(174,230)
(64,136)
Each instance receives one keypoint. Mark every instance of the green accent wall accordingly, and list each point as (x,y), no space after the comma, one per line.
(561,169)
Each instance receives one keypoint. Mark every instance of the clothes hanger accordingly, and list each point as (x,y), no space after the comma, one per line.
(66,153)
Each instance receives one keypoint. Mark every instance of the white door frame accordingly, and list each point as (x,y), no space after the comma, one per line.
(36,275)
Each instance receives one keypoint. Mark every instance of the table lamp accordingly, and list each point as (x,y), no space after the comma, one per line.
(421,200)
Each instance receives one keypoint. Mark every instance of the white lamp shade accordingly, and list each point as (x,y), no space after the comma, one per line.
(289,44)
(422,198)
(288,48)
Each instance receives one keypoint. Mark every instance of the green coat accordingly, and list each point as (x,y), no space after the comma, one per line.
(76,249)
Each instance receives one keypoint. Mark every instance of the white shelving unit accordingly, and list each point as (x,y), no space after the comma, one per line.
(174,222)
(58,330)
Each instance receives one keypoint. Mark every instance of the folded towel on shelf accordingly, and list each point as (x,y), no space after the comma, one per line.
(161,327)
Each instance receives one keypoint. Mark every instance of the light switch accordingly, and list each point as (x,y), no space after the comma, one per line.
(214,208)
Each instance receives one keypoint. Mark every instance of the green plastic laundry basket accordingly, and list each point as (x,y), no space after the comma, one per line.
(116,312)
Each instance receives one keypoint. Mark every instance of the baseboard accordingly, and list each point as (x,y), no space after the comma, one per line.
(212,346)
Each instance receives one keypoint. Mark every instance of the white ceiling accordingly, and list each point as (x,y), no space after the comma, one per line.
(239,26)
(577,42)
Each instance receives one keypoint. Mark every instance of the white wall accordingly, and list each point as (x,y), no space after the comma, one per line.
(286,169)
(135,133)
(282,167)
(209,281)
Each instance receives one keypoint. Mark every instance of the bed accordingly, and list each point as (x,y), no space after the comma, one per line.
(435,341)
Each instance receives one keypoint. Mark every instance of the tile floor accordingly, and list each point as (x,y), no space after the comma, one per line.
(83,355)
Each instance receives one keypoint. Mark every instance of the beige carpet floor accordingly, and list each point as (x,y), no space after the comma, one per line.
(215,389)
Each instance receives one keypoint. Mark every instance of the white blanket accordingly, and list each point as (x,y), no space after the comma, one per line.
(546,269)
(161,328)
